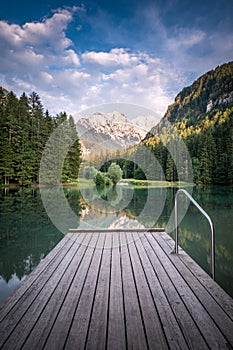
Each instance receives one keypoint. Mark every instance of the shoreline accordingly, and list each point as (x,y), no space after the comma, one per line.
(123,182)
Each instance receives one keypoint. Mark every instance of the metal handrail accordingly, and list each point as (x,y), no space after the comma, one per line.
(212,248)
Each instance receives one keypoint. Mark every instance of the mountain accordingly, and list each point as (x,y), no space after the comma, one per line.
(210,93)
(202,115)
(108,131)
(145,122)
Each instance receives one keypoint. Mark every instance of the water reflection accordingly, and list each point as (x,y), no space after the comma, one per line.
(194,228)
(143,206)
(26,236)
(195,232)
(7,287)
(27,233)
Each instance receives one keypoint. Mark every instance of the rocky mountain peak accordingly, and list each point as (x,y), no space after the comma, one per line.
(112,129)
(100,119)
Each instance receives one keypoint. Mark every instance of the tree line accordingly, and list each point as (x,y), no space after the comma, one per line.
(24,130)
(209,148)
(201,117)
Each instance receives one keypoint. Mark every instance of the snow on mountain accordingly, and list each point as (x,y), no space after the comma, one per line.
(145,122)
(109,130)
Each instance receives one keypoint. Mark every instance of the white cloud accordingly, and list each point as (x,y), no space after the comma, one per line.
(39,56)
(117,56)
(184,39)
(50,33)
(72,58)
(144,81)
(40,44)
(193,52)
(48,78)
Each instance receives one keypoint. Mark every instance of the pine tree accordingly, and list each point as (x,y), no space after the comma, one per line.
(73,157)
(24,131)
(207,158)
(170,168)
(9,138)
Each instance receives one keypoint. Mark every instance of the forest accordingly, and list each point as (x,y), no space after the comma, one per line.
(201,117)
(24,130)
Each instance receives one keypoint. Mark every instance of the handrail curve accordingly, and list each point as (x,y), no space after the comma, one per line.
(212,243)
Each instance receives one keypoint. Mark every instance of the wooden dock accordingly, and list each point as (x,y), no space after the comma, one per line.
(117,290)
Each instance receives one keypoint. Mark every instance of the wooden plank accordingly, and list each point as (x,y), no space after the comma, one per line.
(97,332)
(153,327)
(183,317)
(116,338)
(79,329)
(219,316)
(133,295)
(171,327)
(44,264)
(135,332)
(19,309)
(22,326)
(213,288)
(62,325)
(208,328)
(42,328)
(149,229)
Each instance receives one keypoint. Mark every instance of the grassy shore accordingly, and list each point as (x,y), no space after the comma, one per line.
(136,183)
(154,183)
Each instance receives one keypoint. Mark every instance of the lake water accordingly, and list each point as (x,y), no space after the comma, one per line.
(27,233)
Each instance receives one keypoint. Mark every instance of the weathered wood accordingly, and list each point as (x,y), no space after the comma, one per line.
(166,279)
(208,328)
(37,305)
(117,290)
(169,322)
(135,333)
(32,293)
(116,337)
(97,332)
(221,297)
(153,326)
(149,229)
(44,264)
(42,328)
(77,335)
(66,315)
(220,317)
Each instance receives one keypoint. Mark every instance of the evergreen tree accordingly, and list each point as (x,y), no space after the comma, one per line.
(24,131)
(207,158)
(170,168)
(73,158)
(9,138)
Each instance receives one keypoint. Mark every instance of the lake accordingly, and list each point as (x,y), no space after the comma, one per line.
(27,233)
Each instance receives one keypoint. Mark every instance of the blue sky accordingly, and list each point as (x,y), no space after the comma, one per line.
(79,54)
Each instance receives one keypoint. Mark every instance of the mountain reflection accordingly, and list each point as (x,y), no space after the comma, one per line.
(27,234)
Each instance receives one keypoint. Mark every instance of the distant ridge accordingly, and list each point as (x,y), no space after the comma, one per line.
(109,131)
(202,116)
(210,92)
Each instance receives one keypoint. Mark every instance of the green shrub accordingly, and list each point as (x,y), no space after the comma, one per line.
(115,173)
(102,179)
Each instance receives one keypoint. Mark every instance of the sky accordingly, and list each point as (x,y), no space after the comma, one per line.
(77,55)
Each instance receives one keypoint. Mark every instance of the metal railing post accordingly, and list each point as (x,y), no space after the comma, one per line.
(212,242)
(176,223)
